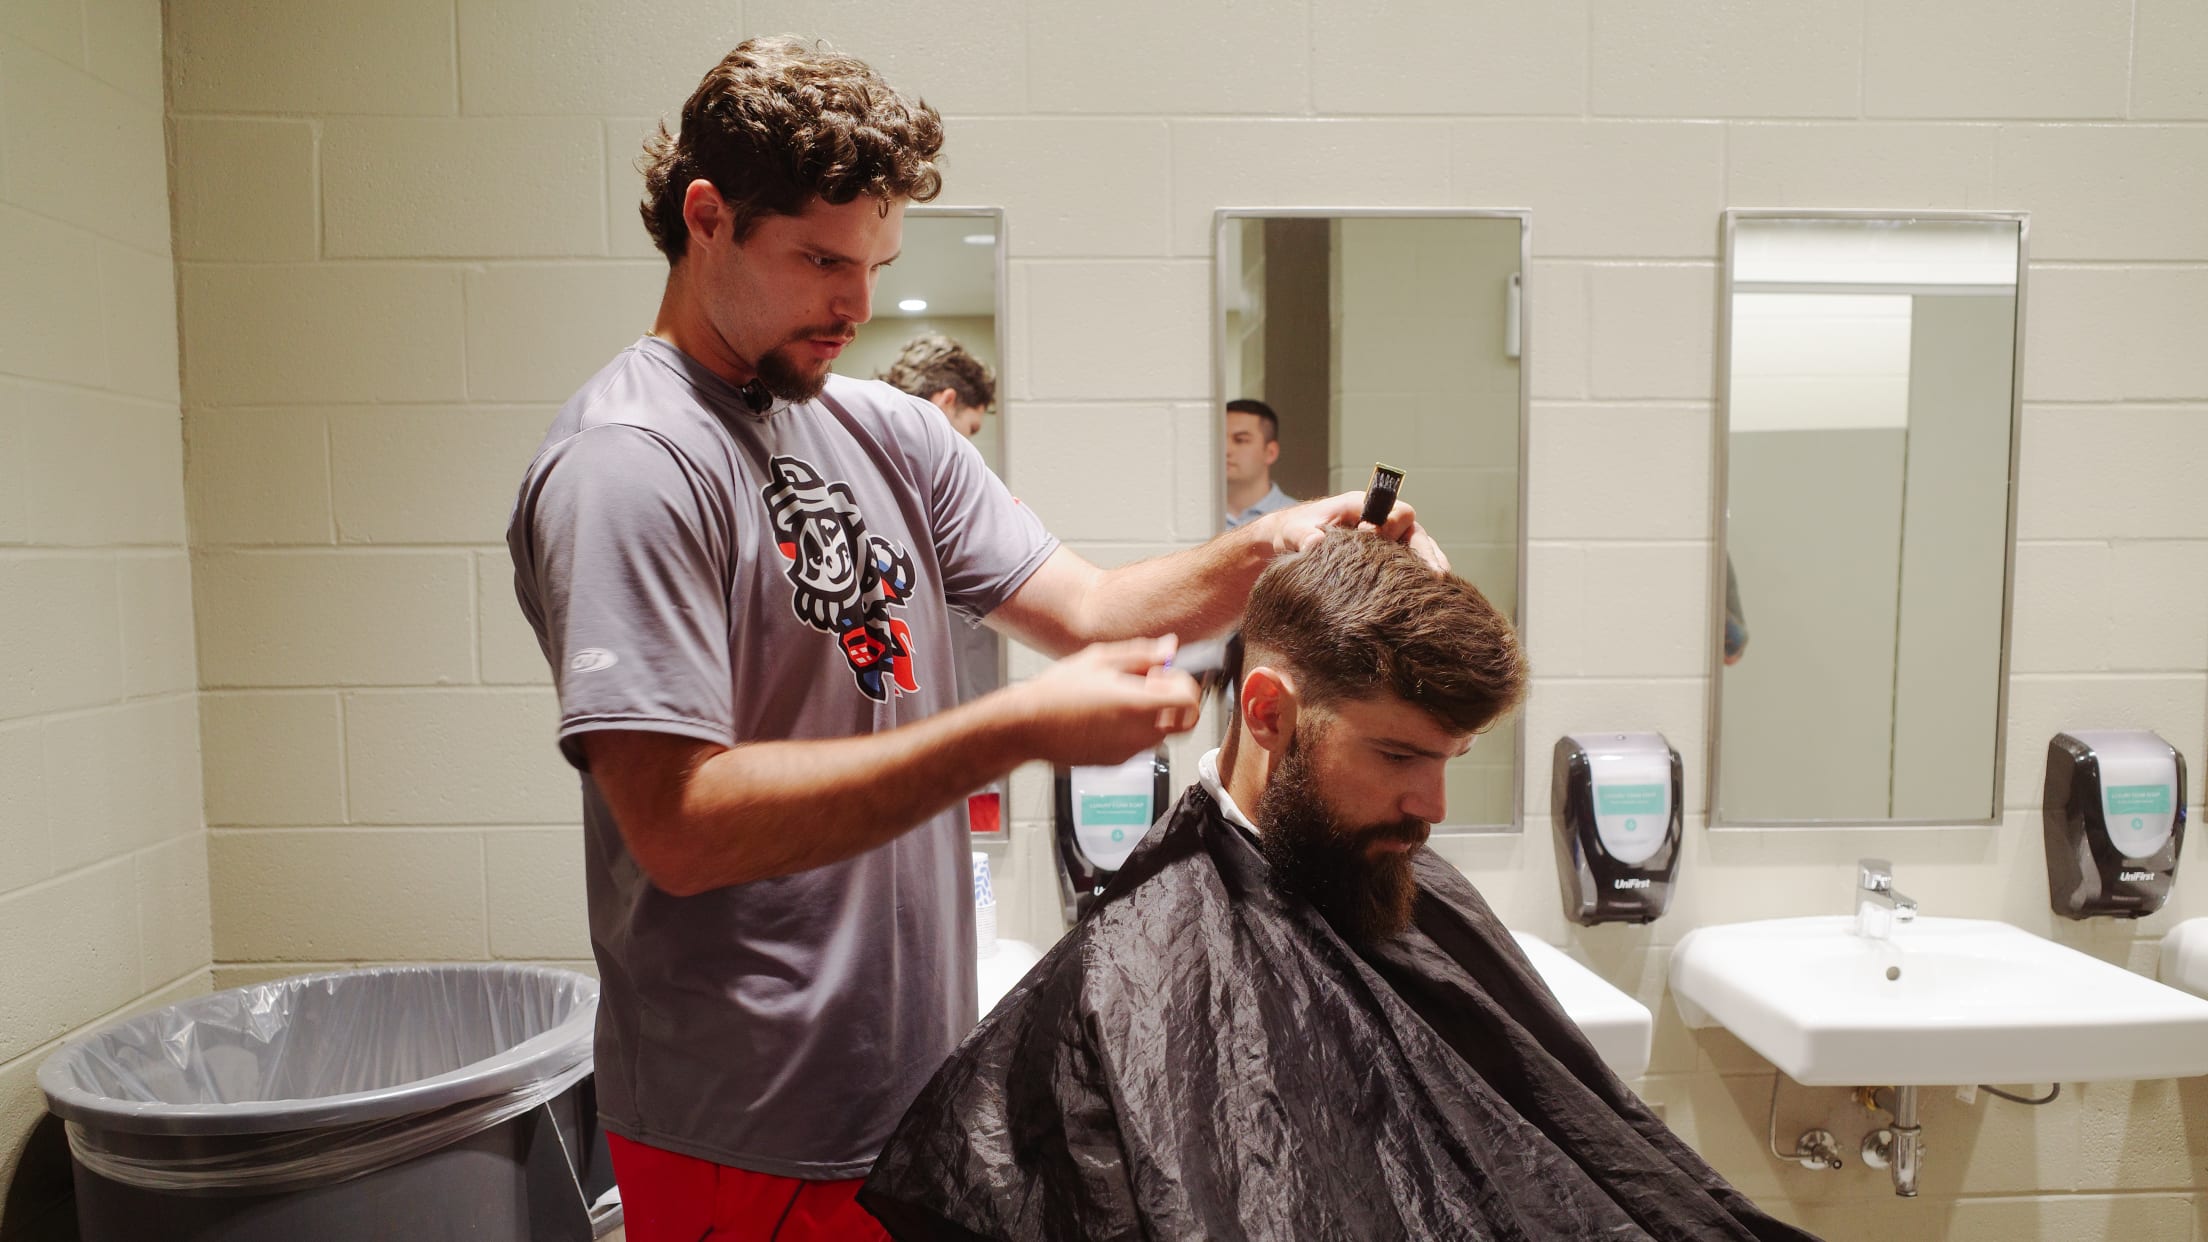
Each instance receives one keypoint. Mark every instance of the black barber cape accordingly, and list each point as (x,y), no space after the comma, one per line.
(1203,1057)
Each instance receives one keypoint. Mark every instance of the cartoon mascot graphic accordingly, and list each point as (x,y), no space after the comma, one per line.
(845,579)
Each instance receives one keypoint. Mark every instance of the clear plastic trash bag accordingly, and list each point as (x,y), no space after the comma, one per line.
(319,1078)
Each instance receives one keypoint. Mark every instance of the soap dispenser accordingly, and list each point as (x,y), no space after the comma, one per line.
(1615,799)
(1100,814)
(2114,817)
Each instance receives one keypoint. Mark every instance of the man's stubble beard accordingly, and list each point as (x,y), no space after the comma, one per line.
(1367,897)
(787,378)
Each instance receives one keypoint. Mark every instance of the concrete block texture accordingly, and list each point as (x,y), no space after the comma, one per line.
(1302,162)
(121,779)
(25,857)
(2106,191)
(964,57)
(53,115)
(391,58)
(2169,39)
(94,911)
(322,895)
(175,923)
(319,618)
(397,187)
(1126,330)
(1488,57)
(436,757)
(273,758)
(576,57)
(1796,59)
(1653,330)
(517,352)
(266,334)
(998,162)
(1822,165)
(55,328)
(258,476)
(62,616)
(2041,58)
(535,886)
(430,475)
(246,188)
(1250,57)
(111,469)
(1567,173)
(1095,471)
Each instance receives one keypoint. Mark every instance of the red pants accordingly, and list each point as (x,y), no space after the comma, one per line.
(667,1197)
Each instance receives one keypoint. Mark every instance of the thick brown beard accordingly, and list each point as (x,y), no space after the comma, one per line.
(1367,897)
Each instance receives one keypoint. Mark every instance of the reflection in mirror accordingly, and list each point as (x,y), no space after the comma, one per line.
(1865,523)
(935,334)
(1386,338)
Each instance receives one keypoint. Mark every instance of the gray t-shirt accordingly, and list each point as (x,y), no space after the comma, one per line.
(694,568)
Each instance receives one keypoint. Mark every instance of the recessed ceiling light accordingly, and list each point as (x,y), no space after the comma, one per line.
(913,305)
(981,239)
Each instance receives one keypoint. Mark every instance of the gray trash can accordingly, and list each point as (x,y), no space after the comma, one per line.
(388,1104)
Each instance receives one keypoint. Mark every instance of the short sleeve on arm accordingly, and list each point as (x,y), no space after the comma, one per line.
(988,542)
(623,563)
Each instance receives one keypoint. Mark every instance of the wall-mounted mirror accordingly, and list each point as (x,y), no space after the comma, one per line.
(1347,338)
(1866,510)
(937,333)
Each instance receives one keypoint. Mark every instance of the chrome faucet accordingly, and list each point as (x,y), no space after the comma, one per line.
(1878,904)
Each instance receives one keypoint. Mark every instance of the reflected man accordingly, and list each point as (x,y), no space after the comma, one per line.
(1253,445)
(940,371)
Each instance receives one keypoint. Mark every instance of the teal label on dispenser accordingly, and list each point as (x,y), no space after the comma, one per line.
(1631,799)
(1125,810)
(2138,799)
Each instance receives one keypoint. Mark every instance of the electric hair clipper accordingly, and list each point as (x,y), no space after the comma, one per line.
(1380,496)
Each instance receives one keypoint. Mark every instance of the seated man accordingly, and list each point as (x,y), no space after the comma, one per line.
(1298,1022)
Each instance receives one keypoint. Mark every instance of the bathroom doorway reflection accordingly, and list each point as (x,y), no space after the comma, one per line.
(1394,337)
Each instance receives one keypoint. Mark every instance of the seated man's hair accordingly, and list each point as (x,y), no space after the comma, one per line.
(1357,616)
(932,362)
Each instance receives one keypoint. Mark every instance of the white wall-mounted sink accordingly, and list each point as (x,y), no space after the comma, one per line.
(1943,1002)
(1620,1028)
(2185,957)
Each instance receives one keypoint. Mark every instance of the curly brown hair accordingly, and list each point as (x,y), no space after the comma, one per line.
(1357,615)
(779,122)
(932,362)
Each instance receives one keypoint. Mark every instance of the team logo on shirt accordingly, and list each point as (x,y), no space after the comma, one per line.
(845,580)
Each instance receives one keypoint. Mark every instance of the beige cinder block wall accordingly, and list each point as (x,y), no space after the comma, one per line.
(405,235)
(103,852)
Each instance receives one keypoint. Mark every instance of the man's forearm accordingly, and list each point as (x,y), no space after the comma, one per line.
(768,809)
(697,816)
(1196,593)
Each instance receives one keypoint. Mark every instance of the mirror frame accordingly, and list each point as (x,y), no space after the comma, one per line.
(1721,425)
(1218,472)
